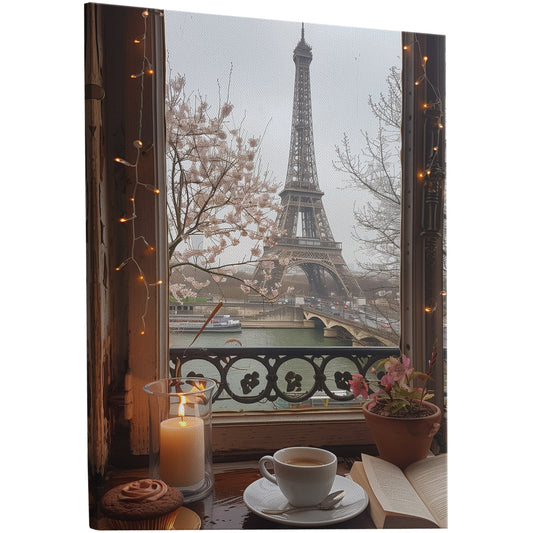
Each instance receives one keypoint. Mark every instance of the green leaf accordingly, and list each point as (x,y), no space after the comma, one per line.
(420,375)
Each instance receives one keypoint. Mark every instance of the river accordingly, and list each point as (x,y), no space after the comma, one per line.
(258,337)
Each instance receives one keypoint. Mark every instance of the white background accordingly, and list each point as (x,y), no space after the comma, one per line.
(43,254)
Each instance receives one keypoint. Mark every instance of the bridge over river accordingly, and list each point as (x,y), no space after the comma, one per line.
(361,334)
(259,315)
(289,316)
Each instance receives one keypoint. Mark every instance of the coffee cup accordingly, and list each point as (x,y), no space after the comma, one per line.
(304,475)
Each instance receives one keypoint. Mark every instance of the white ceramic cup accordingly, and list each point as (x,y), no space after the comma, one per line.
(304,475)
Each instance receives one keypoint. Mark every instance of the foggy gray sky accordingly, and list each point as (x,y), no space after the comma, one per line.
(348,65)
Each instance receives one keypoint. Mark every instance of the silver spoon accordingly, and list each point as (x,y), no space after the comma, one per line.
(327,503)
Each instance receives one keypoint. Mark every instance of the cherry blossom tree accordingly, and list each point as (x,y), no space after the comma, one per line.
(217,192)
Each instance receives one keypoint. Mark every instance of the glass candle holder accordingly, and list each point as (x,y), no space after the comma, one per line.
(180,434)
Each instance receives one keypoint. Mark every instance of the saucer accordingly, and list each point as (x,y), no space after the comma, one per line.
(262,494)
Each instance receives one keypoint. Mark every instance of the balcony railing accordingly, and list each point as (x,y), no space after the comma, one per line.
(282,375)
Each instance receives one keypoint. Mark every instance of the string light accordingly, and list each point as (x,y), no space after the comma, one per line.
(123,162)
(138,145)
(432,108)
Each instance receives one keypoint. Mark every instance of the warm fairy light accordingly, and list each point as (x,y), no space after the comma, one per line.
(405,47)
(123,162)
(428,309)
(146,67)
(432,110)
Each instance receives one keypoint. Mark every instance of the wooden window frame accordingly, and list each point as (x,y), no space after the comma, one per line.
(120,361)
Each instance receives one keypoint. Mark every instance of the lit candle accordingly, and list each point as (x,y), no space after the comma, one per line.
(182,454)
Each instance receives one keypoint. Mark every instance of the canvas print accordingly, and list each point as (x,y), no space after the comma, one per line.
(256,192)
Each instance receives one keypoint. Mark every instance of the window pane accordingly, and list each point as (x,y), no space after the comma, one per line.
(284,186)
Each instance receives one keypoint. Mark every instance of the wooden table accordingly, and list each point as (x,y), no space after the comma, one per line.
(224,508)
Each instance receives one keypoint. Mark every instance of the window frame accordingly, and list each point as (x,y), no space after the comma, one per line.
(120,361)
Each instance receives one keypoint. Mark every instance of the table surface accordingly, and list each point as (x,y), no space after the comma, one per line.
(224,508)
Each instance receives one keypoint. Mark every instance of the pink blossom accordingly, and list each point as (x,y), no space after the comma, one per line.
(397,371)
(227,108)
(387,380)
(407,365)
(358,386)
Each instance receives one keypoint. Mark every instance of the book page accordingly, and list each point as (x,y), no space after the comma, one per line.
(392,488)
(430,480)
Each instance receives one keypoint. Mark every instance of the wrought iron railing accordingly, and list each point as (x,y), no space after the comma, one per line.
(290,374)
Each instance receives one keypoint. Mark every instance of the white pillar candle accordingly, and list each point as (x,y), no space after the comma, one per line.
(182,454)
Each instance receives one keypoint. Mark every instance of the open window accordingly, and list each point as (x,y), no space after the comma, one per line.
(128,301)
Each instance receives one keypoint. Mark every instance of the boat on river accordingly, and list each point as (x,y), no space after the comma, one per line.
(193,324)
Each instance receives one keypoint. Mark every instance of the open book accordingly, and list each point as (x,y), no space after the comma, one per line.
(414,497)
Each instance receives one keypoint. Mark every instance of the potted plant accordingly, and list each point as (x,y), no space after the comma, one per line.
(398,413)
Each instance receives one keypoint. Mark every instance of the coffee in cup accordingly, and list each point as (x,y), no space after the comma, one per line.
(304,475)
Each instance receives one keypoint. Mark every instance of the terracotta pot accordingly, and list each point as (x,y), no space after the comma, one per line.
(403,441)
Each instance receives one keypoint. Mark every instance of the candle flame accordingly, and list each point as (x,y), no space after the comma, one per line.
(181,411)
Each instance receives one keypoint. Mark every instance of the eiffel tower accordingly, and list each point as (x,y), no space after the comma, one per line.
(307,240)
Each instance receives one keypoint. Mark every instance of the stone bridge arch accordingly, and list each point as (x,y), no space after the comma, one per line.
(361,335)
